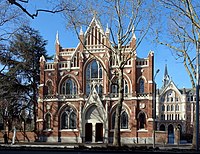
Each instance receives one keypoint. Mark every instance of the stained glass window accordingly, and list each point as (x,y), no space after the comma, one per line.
(94,77)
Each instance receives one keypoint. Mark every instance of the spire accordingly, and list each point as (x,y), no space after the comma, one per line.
(81,31)
(166,72)
(133,31)
(42,59)
(166,77)
(107,29)
(57,38)
(94,13)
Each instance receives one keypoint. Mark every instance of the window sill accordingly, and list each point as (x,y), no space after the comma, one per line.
(142,130)
(121,130)
(47,130)
(68,130)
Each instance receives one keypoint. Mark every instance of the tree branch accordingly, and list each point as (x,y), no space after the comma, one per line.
(14,2)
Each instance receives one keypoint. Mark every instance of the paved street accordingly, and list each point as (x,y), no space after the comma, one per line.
(87,152)
(33,148)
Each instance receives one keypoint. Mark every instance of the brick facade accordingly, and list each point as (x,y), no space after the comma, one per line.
(70,109)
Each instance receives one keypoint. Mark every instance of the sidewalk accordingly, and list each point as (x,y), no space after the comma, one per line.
(183,148)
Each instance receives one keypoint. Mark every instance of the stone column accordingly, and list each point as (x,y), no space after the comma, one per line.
(93,132)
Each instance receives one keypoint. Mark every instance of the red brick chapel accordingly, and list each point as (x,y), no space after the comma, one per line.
(77,101)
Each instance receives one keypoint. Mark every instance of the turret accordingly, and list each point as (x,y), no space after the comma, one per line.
(107,32)
(42,75)
(81,37)
(57,44)
(133,41)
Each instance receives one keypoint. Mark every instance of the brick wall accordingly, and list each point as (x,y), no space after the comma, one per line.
(20,136)
(161,137)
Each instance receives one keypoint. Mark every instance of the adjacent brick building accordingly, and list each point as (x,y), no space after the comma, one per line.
(78,92)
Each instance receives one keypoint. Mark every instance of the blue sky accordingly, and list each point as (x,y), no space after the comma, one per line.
(49,24)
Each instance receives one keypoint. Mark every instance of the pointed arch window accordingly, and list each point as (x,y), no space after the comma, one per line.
(172,107)
(94,77)
(68,119)
(49,88)
(48,121)
(141,86)
(124,120)
(69,87)
(168,108)
(162,127)
(162,117)
(125,87)
(72,120)
(177,107)
(75,60)
(115,85)
(142,120)
(163,107)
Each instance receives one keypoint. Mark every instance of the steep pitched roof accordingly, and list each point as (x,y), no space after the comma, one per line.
(95,22)
(170,85)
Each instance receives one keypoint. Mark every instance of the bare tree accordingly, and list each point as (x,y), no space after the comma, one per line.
(126,19)
(10,21)
(56,6)
(182,34)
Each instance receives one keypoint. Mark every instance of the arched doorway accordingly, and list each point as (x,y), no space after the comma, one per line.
(94,130)
(171,134)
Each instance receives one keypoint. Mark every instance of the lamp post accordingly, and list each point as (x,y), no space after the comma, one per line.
(154,108)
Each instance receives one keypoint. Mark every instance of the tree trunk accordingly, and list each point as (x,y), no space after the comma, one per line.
(117,136)
(194,132)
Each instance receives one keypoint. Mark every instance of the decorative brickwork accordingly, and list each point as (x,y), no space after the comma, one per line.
(78,97)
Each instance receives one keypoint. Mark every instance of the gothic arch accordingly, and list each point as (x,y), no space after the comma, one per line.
(142,120)
(113,108)
(162,127)
(64,78)
(142,112)
(89,60)
(47,121)
(141,77)
(48,113)
(49,80)
(129,82)
(64,106)
(170,127)
(68,118)
(49,85)
(180,127)
(125,124)
(94,77)
(127,79)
